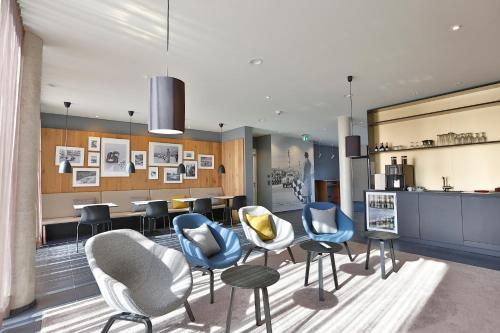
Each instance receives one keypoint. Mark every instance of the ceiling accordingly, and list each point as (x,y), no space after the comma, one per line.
(99,53)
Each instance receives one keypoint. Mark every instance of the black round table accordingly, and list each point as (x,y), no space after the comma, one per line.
(251,277)
(320,248)
(382,237)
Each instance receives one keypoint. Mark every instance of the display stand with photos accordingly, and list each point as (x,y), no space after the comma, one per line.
(381,211)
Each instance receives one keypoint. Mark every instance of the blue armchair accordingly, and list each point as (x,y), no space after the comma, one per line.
(345,225)
(228,242)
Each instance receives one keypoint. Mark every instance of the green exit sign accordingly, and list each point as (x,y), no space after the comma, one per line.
(306,137)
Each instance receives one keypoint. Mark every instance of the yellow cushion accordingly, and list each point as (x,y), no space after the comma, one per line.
(262,225)
(176,204)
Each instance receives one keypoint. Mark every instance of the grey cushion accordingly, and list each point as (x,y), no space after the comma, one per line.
(323,220)
(89,201)
(203,238)
(139,208)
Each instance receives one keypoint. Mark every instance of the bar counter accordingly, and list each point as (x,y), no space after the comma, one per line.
(466,221)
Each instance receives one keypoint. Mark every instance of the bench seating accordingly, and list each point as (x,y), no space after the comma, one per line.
(57,208)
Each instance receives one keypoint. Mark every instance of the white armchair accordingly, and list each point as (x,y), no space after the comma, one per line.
(283,230)
(138,277)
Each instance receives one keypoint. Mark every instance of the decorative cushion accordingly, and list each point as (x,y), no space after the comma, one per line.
(176,204)
(139,208)
(323,220)
(90,201)
(262,226)
(204,239)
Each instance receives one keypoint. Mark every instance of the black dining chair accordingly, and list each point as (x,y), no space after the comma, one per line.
(94,216)
(156,210)
(203,206)
(239,201)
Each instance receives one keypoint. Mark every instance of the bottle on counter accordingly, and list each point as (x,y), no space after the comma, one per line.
(376,148)
(386,146)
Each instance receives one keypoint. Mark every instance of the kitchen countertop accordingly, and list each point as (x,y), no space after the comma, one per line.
(493,194)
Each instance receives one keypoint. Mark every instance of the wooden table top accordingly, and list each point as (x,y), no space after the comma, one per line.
(250,276)
(109,204)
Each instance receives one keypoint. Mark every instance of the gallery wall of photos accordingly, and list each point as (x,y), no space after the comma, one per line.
(99,162)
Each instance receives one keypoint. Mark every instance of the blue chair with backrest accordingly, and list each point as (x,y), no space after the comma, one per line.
(345,225)
(230,248)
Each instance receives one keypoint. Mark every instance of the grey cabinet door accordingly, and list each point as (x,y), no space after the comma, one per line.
(441,217)
(408,215)
(481,218)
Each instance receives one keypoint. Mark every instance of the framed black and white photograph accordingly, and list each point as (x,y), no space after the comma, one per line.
(191,170)
(205,161)
(93,159)
(94,143)
(114,157)
(165,154)
(153,173)
(75,155)
(85,177)
(139,159)
(189,155)
(171,176)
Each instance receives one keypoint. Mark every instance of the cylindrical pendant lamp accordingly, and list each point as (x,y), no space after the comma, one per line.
(166,105)
(352,142)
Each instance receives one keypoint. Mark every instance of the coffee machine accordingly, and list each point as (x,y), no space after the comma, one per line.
(399,176)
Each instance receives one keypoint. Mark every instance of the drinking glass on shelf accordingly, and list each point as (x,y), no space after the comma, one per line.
(483,137)
(475,138)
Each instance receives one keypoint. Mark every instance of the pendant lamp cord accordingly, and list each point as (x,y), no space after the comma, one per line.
(130,134)
(350,99)
(168,30)
(66,136)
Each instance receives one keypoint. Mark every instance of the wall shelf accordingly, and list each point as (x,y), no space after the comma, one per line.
(434,147)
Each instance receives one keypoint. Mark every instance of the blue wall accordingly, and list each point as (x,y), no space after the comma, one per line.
(326,168)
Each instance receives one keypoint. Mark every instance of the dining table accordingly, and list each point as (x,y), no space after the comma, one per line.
(80,206)
(227,209)
(189,201)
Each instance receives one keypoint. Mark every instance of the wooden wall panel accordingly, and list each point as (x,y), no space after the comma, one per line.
(53,182)
(233,158)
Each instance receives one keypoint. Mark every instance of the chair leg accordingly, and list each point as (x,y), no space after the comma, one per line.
(308,263)
(129,317)
(164,225)
(211,286)
(110,322)
(348,252)
(147,323)
(170,226)
(368,253)
(212,214)
(77,227)
(291,254)
(265,257)
(189,311)
(248,253)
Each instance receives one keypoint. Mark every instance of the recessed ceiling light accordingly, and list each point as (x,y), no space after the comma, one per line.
(268,98)
(256,61)
(348,95)
(97,116)
(456,27)
(278,112)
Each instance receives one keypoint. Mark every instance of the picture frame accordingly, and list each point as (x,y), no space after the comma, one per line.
(189,155)
(86,177)
(165,154)
(205,161)
(76,155)
(171,176)
(93,159)
(152,173)
(115,155)
(94,143)
(191,169)
(139,159)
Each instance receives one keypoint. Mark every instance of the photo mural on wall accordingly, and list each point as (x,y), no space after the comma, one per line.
(292,173)
(115,155)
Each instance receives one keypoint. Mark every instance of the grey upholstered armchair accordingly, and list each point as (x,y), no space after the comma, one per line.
(138,277)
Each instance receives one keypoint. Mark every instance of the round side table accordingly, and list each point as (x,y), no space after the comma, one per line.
(251,277)
(382,237)
(320,248)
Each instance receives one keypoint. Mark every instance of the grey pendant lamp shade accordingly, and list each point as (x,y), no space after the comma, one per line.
(352,142)
(221,169)
(166,99)
(130,165)
(65,166)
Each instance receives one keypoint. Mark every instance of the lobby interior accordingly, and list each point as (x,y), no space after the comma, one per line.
(250,166)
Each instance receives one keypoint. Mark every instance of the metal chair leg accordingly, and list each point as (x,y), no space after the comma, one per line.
(110,322)
(147,323)
(246,255)
(334,269)
(189,311)
(393,256)
(291,254)
(211,286)
(265,257)
(348,252)
(308,263)
(170,226)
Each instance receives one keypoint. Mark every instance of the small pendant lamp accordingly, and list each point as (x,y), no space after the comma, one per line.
(65,166)
(130,165)
(166,99)
(352,142)
(221,168)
